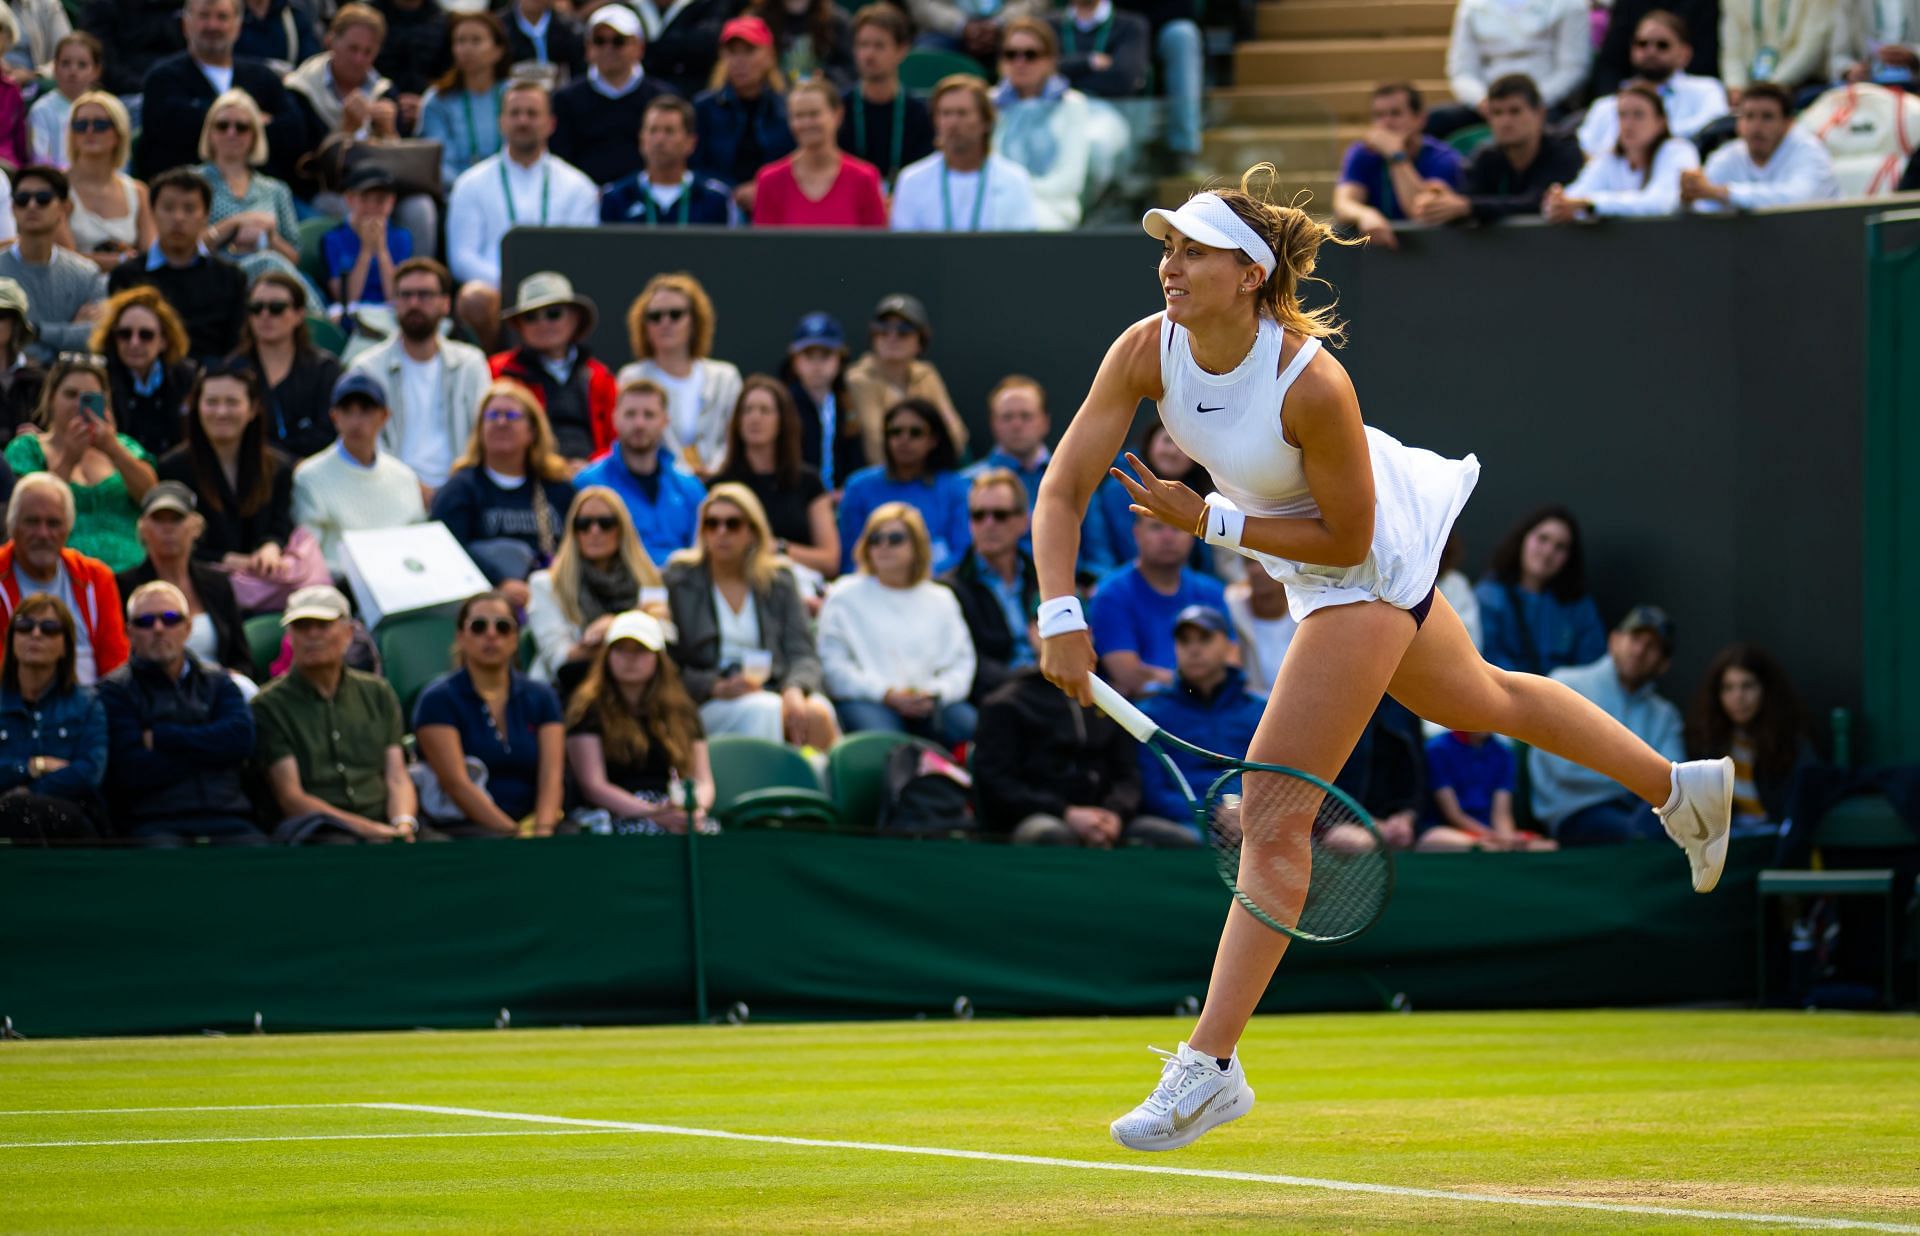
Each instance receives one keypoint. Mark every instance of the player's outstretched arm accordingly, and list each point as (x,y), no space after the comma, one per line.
(1129,373)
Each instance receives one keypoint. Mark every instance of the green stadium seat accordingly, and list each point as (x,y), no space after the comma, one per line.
(415,649)
(528,650)
(761,784)
(264,634)
(922,70)
(1875,884)
(326,334)
(856,772)
(1868,822)
(312,264)
(1470,139)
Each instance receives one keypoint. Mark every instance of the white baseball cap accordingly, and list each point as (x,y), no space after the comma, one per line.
(639,626)
(1207,219)
(619,16)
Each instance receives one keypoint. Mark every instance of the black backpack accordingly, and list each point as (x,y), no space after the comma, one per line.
(926,794)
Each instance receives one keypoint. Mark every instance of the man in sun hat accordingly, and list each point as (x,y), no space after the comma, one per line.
(597,118)
(552,322)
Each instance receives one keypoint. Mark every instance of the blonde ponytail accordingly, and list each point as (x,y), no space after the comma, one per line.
(1295,238)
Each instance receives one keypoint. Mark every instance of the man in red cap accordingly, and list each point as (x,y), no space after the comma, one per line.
(742,122)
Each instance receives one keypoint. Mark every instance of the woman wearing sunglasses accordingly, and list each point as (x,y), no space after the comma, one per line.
(488,714)
(170,525)
(53,731)
(148,373)
(894,644)
(744,644)
(252,222)
(670,325)
(507,498)
(245,491)
(1048,127)
(919,471)
(600,570)
(634,742)
(112,220)
(108,471)
(299,378)
(763,454)
(895,368)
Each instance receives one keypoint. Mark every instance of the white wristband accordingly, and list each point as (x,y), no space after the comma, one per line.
(1225,526)
(1061,615)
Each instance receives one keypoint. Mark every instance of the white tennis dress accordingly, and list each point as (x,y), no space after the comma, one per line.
(1230,423)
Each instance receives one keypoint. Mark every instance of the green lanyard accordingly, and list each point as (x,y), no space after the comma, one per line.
(899,129)
(979,201)
(506,191)
(1070,36)
(683,207)
(1766,57)
(473,130)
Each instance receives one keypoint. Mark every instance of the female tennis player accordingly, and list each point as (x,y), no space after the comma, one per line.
(1353,523)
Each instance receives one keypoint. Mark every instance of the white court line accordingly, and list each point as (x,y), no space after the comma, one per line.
(313,1137)
(1303,1182)
(229,1107)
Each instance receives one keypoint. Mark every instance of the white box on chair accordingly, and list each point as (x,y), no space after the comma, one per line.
(415,566)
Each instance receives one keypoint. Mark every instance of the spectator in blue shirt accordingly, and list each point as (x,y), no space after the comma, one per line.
(362,251)
(662,497)
(919,471)
(53,729)
(1132,613)
(1017,419)
(1472,779)
(1208,704)
(1535,614)
(487,710)
(1106,538)
(995,582)
(1388,169)
(1582,807)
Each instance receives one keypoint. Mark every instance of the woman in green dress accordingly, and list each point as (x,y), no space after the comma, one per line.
(108,472)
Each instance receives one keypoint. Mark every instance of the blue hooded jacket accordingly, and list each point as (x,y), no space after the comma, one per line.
(1223,721)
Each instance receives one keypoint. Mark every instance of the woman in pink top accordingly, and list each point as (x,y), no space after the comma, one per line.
(817,185)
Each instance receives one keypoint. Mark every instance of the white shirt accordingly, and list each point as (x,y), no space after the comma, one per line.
(423,437)
(919,204)
(220,76)
(334,493)
(739,633)
(683,402)
(1617,189)
(1799,171)
(1548,40)
(1692,103)
(874,639)
(47,129)
(552,192)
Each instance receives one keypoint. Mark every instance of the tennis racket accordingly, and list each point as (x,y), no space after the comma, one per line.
(1299,854)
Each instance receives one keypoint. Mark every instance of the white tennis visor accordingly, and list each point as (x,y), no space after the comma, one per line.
(1207,219)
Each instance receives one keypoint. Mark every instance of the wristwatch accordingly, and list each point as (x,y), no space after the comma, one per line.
(1398,156)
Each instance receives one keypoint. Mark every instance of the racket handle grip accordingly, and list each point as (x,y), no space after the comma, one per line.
(1121,709)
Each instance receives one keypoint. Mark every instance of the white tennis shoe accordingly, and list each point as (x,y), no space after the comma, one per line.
(1698,817)
(1193,1096)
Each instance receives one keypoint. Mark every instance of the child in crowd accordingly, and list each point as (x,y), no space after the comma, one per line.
(362,252)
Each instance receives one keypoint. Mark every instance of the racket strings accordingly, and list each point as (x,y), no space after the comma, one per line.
(1301,858)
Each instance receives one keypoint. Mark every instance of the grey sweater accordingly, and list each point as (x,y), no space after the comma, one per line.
(55,292)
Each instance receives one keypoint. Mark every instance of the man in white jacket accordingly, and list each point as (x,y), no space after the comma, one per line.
(433,384)
(1662,48)
(1773,164)
(1550,41)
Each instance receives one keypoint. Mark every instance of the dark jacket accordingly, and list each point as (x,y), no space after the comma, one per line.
(67,724)
(229,531)
(1497,191)
(137,35)
(866,130)
(155,421)
(1125,37)
(580,411)
(722,121)
(210,296)
(849,448)
(298,420)
(993,642)
(265,38)
(1037,752)
(176,97)
(683,53)
(599,135)
(566,45)
(202,738)
(785,631)
(216,597)
(415,50)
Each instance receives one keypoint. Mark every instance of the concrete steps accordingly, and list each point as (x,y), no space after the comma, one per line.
(1327,102)
(1172,190)
(1287,62)
(1288,147)
(1303,19)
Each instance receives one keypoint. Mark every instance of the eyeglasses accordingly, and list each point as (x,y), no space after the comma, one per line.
(1655,44)
(25,625)
(23,198)
(894,326)
(993,514)
(233,126)
(552,313)
(417,293)
(1021,54)
(480,626)
(503,414)
(603,40)
(891,539)
(603,523)
(272,308)
(99,124)
(166,618)
(657,316)
(906,431)
(126,334)
(723,523)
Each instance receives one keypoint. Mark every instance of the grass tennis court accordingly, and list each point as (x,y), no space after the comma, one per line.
(1809,1117)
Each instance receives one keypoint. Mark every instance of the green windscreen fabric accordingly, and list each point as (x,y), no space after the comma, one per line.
(594,930)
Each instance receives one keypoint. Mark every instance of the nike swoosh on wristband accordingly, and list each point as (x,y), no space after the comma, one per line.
(1201,407)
